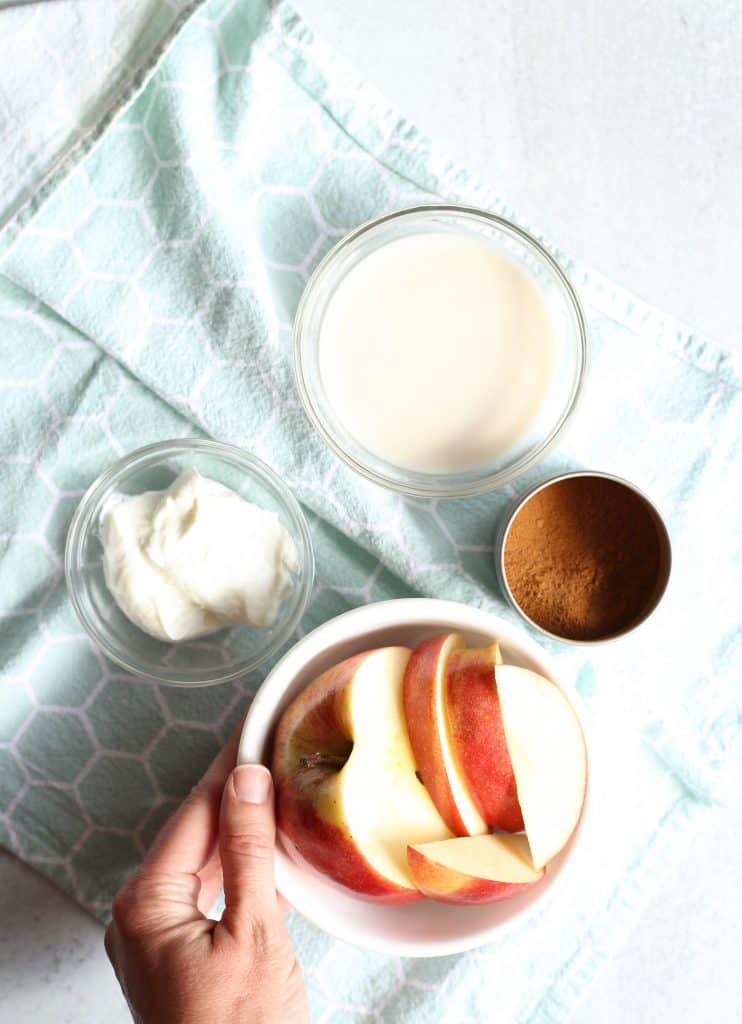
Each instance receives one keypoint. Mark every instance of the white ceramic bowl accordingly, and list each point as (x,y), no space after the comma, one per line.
(418,929)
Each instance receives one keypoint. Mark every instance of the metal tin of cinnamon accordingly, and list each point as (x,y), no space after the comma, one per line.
(655,588)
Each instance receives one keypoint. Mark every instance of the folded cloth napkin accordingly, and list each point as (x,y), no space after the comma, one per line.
(82,55)
(147,292)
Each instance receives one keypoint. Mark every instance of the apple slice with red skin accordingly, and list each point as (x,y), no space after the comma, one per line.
(473,869)
(425,715)
(348,800)
(478,738)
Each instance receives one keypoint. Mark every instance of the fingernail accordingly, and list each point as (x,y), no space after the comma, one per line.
(252,783)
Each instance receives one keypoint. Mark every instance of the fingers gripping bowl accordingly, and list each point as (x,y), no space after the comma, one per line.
(423,928)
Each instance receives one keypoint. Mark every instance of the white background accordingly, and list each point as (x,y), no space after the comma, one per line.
(616,127)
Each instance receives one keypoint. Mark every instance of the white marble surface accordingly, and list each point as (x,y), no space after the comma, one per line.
(612,126)
(616,128)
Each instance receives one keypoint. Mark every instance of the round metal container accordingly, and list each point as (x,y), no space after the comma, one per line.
(663,537)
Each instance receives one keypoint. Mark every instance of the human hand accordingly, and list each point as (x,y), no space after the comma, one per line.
(173,963)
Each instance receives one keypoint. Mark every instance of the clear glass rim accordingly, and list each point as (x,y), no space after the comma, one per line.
(437,488)
(82,522)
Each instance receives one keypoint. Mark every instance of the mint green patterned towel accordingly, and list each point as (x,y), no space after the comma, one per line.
(147,292)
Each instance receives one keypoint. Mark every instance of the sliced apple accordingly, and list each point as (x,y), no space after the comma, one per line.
(348,798)
(547,751)
(478,738)
(473,869)
(425,714)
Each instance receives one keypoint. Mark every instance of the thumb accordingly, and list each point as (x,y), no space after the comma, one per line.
(247,833)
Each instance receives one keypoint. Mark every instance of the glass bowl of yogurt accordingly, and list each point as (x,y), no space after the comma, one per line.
(189,562)
(440,350)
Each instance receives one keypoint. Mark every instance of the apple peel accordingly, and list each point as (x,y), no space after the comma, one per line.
(427,725)
(348,801)
(477,736)
(473,869)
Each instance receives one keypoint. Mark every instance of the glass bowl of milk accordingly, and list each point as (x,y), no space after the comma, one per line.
(440,350)
(218,654)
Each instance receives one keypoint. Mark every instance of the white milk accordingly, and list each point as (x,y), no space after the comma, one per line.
(436,352)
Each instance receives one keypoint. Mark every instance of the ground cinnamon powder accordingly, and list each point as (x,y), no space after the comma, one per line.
(582,557)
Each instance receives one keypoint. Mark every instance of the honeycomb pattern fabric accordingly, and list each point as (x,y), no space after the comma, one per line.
(147,292)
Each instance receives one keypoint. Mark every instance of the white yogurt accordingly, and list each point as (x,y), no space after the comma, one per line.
(186,561)
(436,352)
